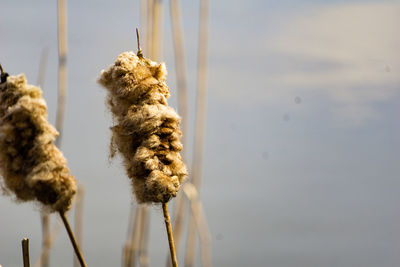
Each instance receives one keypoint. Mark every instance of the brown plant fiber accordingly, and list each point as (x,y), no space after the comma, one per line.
(146,130)
(31,165)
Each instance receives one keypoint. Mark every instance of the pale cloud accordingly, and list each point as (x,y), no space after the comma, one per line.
(357,48)
(349,53)
(362,39)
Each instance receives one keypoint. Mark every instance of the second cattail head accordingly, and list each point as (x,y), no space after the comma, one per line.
(146,130)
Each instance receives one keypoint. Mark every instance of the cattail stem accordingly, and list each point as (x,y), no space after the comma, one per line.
(170,236)
(25,251)
(73,240)
(79,218)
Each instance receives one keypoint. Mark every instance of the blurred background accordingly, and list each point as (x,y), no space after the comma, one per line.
(301,148)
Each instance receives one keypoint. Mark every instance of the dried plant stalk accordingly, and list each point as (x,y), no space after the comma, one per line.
(44,216)
(131,244)
(62,66)
(62,88)
(177,30)
(46,244)
(136,236)
(42,67)
(147,129)
(156,29)
(25,252)
(149,24)
(181,77)
(201,223)
(144,260)
(200,122)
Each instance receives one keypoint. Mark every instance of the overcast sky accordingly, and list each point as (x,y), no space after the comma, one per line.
(302,146)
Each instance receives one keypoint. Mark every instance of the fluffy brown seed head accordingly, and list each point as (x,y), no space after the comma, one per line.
(31,165)
(146,130)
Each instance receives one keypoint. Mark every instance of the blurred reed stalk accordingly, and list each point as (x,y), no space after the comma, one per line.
(181,77)
(143,22)
(201,222)
(42,67)
(157,23)
(45,219)
(79,218)
(149,26)
(62,88)
(48,243)
(144,236)
(132,242)
(200,123)
(25,252)
(62,68)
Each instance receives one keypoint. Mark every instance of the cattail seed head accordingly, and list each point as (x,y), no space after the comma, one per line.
(146,130)
(31,165)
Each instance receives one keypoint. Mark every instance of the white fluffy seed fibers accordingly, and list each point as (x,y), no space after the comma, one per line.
(31,166)
(146,130)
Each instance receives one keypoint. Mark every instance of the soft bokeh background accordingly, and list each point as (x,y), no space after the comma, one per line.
(302,146)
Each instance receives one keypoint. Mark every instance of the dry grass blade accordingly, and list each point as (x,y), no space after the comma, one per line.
(25,252)
(79,218)
(200,122)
